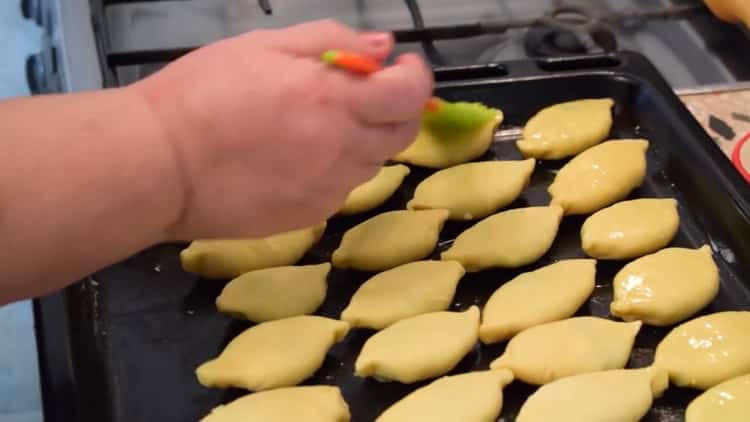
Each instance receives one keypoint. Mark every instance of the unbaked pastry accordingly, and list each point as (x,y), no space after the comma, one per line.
(473,190)
(402,292)
(630,229)
(275,293)
(565,129)
(471,397)
(666,287)
(229,258)
(619,395)
(390,239)
(726,402)
(273,354)
(375,191)
(317,403)
(591,344)
(557,291)
(707,350)
(441,149)
(420,347)
(507,239)
(600,176)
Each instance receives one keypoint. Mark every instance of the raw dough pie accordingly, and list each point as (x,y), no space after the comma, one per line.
(600,176)
(402,292)
(473,190)
(707,350)
(726,402)
(275,293)
(507,239)
(565,129)
(472,397)
(666,287)
(273,354)
(630,229)
(228,258)
(375,191)
(591,344)
(548,294)
(441,149)
(619,395)
(293,404)
(390,239)
(420,347)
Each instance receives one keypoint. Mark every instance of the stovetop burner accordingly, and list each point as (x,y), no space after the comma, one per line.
(569,30)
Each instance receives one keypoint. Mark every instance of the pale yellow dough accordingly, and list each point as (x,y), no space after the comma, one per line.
(420,347)
(375,191)
(565,129)
(471,397)
(666,287)
(473,190)
(590,344)
(558,291)
(275,293)
(273,354)
(445,149)
(507,239)
(402,292)
(726,402)
(229,258)
(600,176)
(630,229)
(390,239)
(293,404)
(707,350)
(619,395)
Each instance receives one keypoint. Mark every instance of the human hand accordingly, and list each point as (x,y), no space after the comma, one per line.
(268,138)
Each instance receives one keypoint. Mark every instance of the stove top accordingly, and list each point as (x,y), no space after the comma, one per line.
(134,38)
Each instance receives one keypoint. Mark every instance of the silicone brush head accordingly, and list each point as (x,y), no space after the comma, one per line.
(459,116)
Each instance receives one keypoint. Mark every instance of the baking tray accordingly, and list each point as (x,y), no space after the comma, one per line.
(123,344)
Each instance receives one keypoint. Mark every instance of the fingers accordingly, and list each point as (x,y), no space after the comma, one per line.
(314,38)
(396,94)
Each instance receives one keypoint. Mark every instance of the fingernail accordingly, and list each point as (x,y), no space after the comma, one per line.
(377,39)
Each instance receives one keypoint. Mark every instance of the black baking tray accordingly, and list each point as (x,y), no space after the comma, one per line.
(123,344)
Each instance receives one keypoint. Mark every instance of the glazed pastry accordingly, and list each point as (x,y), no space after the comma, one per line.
(707,350)
(293,404)
(421,347)
(273,354)
(402,292)
(619,395)
(473,190)
(507,239)
(375,191)
(630,229)
(390,239)
(565,129)
(444,148)
(591,344)
(471,397)
(275,293)
(229,258)
(558,290)
(600,176)
(666,287)
(726,402)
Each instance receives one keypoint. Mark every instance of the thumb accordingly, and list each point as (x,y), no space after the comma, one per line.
(396,94)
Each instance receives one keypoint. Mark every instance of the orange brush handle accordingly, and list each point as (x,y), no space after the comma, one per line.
(363,65)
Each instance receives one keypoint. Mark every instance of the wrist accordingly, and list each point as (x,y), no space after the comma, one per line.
(169,181)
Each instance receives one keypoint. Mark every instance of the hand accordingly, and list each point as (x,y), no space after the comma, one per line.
(268,138)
